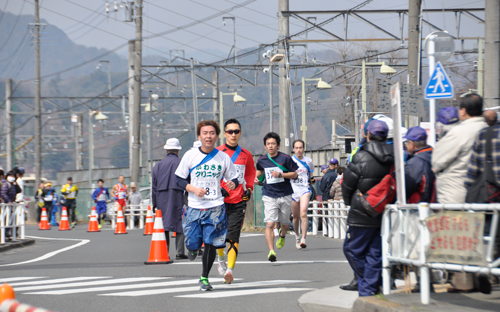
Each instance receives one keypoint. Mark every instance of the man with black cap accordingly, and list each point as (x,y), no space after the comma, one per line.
(363,245)
(419,176)
(328,179)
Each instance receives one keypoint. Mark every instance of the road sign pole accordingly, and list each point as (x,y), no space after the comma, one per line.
(432,102)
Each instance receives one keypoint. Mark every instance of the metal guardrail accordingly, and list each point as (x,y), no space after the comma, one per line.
(405,238)
(12,217)
(131,211)
(333,217)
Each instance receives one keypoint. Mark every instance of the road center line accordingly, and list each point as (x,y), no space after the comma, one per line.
(52,253)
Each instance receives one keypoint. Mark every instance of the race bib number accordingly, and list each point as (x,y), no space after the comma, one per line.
(240,170)
(269,177)
(122,195)
(71,195)
(211,187)
(102,197)
(49,198)
(302,178)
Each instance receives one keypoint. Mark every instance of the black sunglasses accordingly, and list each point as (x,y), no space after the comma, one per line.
(233,131)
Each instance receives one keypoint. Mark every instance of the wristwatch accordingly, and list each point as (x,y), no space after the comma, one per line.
(280,175)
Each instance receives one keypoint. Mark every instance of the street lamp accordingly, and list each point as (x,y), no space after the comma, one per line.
(384,69)
(99,117)
(234,33)
(275,58)
(98,67)
(151,108)
(236,99)
(321,85)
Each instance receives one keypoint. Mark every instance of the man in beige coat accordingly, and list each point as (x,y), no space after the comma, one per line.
(452,153)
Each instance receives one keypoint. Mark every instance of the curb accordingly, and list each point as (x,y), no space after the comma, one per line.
(374,304)
(16,244)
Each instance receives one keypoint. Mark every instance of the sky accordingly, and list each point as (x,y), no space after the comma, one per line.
(87,23)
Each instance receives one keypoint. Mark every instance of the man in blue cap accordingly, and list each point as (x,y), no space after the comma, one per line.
(363,245)
(419,176)
(328,179)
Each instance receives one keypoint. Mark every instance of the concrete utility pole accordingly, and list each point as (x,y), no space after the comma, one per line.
(195,95)
(284,94)
(492,54)
(271,117)
(9,124)
(79,142)
(38,103)
(131,50)
(135,168)
(414,38)
(215,93)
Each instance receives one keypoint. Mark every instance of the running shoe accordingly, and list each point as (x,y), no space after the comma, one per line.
(297,243)
(99,226)
(228,277)
(272,256)
(222,267)
(205,285)
(73,224)
(192,254)
(303,243)
(280,242)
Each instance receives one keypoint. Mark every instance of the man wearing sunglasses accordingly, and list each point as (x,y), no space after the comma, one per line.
(235,200)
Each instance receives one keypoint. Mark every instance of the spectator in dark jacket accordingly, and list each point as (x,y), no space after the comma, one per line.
(419,176)
(362,246)
(8,192)
(328,179)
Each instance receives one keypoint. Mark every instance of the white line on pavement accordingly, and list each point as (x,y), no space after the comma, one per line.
(195,288)
(53,253)
(24,278)
(277,262)
(118,287)
(93,283)
(242,292)
(59,280)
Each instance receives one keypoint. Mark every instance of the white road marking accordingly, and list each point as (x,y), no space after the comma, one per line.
(242,292)
(13,279)
(119,287)
(251,234)
(93,283)
(196,288)
(53,253)
(59,280)
(277,262)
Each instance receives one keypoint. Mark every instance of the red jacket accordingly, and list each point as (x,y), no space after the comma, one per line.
(244,159)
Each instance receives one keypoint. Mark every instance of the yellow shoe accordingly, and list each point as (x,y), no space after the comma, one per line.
(99,226)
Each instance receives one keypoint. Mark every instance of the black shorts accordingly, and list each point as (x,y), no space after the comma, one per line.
(235,216)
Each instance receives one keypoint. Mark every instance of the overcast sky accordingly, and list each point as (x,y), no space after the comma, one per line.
(86,23)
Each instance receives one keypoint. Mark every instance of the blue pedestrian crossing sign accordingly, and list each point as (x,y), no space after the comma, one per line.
(439,85)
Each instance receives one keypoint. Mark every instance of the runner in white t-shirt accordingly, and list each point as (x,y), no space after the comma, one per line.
(301,193)
(199,173)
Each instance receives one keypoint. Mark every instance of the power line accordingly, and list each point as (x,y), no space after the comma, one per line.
(13,27)
(3,12)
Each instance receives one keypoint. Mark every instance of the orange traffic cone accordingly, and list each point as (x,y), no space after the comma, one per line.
(158,253)
(6,292)
(44,221)
(64,226)
(93,226)
(148,230)
(120,222)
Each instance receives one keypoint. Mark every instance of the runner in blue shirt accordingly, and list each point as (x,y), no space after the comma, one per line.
(101,198)
(278,168)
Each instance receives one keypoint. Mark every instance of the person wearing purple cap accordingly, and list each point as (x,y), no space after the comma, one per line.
(419,176)
(363,244)
(448,118)
(328,179)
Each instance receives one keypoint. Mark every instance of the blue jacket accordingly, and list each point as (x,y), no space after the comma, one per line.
(105,192)
(419,177)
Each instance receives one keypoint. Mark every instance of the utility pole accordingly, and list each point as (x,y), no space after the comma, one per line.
(492,53)
(414,38)
(131,50)
(9,125)
(480,67)
(215,93)
(271,97)
(356,122)
(195,95)
(135,168)
(284,94)
(38,103)
(79,142)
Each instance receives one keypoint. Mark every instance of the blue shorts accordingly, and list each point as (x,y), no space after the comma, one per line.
(100,207)
(207,226)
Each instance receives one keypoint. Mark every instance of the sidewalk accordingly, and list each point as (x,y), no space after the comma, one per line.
(16,244)
(328,299)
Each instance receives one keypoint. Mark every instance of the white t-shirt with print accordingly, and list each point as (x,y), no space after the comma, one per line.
(207,176)
(302,180)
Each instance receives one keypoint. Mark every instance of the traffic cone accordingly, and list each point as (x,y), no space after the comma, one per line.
(93,226)
(158,253)
(120,222)
(6,292)
(44,221)
(148,230)
(64,225)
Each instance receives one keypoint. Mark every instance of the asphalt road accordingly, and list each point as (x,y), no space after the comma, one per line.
(79,271)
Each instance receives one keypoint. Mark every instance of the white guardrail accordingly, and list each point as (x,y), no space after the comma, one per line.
(130,212)
(12,217)
(406,239)
(333,216)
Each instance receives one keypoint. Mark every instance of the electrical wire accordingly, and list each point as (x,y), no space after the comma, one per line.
(13,27)
(3,12)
